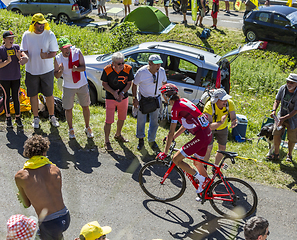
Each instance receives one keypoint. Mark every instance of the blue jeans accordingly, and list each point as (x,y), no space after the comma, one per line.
(153,125)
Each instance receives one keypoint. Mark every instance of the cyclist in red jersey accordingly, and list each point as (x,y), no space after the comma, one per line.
(186,113)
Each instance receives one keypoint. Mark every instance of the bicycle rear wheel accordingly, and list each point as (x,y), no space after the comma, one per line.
(233,198)
(151,175)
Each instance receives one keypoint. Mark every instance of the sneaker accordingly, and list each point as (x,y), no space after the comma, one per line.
(120,138)
(71,133)
(35,123)
(18,121)
(108,147)
(89,132)
(140,144)
(184,22)
(54,121)
(8,122)
(154,145)
(198,199)
(213,27)
(203,185)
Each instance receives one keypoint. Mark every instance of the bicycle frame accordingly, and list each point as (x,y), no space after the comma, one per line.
(217,172)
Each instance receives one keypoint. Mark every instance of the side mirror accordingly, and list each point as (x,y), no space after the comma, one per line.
(288,26)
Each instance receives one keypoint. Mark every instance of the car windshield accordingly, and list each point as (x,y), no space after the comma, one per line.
(106,57)
(293,18)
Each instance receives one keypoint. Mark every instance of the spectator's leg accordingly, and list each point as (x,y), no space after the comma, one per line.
(68,114)
(34,105)
(153,126)
(50,103)
(219,156)
(86,113)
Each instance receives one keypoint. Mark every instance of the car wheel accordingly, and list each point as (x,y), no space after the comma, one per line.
(93,93)
(251,36)
(176,8)
(63,18)
(17,11)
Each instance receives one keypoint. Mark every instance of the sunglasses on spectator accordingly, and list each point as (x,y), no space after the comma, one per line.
(289,82)
(102,237)
(155,78)
(121,63)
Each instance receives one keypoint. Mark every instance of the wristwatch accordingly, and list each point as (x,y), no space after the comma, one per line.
(133,97)
(123,93)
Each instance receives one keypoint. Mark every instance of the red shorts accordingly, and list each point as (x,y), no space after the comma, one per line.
(214,15)
(122,108)
(198,145)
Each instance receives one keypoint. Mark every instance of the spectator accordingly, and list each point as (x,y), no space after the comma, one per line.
(150,2)
(201,13)
(217,111)
(40,45)
(267,3)
(127,4)
(101,6)
(184,6)
(227,10)
(214,13)
(166,5)
(10,60)
(148,80)
(249,6)
(256,228)
(93,231)
(41,176)
(20,227)
(287,96)
(70,64)
(190,117)
(116,79)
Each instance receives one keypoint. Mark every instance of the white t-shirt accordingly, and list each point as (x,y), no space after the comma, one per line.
(67,73)
(33,43)
(145,81)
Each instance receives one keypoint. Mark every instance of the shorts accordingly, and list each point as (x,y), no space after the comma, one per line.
(198,145)
(184,8)
(122,108)
(82,95)
(201,12)
(214,14)
(101,3)
(292,134)
(43,83)
(226,1)
(127,2)
(166,3)
(220,135)
(53,229)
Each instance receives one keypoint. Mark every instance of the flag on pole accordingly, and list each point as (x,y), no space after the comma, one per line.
(290,3)
(238,4)
(255,2)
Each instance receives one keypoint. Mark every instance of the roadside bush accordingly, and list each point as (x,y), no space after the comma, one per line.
(124,35)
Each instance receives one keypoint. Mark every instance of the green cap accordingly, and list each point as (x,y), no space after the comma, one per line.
(64,43)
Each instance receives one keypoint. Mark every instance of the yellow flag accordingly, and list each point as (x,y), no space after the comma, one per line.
(255,2)
(238,4)
(290,3)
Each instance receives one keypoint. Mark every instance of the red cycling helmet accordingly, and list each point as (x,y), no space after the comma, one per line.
(169,89)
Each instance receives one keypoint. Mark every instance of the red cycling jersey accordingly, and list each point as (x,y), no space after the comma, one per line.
(187,114)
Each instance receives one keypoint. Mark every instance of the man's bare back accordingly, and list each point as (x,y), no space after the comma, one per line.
(41,187)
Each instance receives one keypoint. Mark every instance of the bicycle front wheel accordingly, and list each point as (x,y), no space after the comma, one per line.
(233,198)
(151,175)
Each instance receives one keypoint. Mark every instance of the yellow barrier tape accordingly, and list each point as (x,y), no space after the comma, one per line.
(247,158)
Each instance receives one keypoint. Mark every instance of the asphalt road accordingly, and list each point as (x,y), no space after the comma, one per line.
(232,20)
(103,187)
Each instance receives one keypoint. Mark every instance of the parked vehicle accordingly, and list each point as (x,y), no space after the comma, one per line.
(63,10)
(191,68)
(176,5)
(277,23)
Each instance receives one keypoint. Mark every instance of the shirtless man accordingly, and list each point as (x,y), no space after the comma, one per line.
(40,184)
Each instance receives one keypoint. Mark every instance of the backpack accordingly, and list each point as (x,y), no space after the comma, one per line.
(205,98)
(59,110)
(205,33)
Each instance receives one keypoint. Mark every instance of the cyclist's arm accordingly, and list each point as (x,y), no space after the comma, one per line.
(179,132)
(170,137)
(215,125)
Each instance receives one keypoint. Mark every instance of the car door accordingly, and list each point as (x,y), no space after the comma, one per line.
(263,25)
(282,32)
(49,7)
(183,74)
(31,6)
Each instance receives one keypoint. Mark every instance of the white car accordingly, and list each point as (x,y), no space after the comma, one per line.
(191,68)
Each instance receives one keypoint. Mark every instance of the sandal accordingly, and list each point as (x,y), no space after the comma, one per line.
(289,158)
(273,156)
(120,138)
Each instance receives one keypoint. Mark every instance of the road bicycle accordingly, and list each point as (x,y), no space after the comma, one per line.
(231,197)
